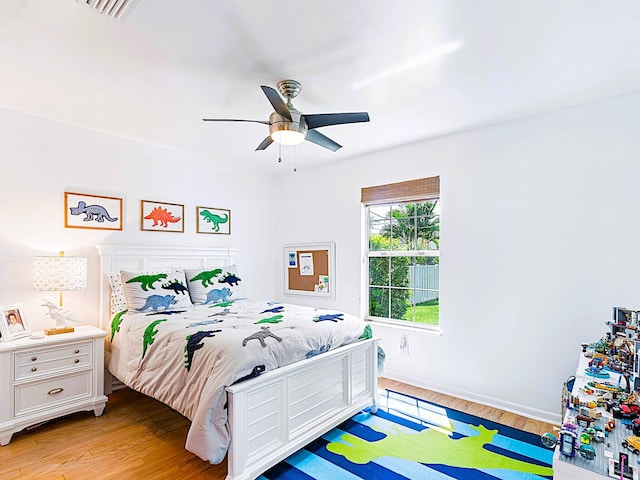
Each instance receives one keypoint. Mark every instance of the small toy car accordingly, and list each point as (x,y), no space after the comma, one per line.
(632,443)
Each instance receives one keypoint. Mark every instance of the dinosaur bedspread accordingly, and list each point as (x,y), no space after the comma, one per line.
(185,359)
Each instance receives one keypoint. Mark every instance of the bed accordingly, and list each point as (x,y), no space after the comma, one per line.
(254,413)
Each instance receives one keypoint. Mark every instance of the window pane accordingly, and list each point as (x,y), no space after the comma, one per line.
(403,233)
(379,222)
(409,315)
(428,312)
(379,213)
(428,232)
(379,302)
(400,272)
(379,271)
(426,290)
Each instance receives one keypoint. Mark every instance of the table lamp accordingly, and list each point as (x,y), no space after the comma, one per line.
(60,274)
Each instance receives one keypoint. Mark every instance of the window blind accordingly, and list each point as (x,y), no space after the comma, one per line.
(411,190)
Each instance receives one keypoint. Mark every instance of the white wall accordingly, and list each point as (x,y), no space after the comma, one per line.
(539,233)
(42,159)
(540,238)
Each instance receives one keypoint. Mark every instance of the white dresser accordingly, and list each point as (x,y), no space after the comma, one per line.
(42,379)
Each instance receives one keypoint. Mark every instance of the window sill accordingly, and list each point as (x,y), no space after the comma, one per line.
(437,331)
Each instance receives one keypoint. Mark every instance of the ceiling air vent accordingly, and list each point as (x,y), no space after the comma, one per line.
(117,9)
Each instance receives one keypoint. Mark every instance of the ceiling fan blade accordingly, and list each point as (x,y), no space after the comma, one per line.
(233,120)
(326,119)
(319,139)
(264,144)
(276,101)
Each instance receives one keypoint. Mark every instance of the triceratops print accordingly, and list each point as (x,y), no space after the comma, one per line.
(92,213)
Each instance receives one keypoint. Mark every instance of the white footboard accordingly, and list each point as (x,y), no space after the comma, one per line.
(279,412)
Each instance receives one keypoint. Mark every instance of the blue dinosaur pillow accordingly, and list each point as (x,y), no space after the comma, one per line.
(215,284)
(156,292)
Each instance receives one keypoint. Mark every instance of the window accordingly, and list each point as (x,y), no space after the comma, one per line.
(403,252)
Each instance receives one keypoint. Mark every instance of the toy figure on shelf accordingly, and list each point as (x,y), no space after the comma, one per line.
(596,366)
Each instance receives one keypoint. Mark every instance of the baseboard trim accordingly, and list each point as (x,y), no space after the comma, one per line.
(518,409)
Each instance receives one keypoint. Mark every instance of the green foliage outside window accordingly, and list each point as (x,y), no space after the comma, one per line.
(384,272)
(410,227)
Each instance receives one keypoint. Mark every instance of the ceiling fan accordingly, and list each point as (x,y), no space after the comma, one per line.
(288,126)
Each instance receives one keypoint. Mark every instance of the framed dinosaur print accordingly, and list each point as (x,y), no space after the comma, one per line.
(161,216)
(83,210)
(213,220)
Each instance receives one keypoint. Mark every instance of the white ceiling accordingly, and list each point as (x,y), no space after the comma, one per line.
(421,68)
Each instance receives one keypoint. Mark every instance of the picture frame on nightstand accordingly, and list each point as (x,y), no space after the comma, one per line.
(13,322)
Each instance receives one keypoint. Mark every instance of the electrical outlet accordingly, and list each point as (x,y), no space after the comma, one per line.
(404,345)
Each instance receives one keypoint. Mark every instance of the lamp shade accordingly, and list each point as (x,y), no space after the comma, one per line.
(59,273)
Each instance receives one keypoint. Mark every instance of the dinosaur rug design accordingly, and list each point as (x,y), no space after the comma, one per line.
(440,443)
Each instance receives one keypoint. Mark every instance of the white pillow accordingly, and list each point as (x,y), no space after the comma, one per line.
(156,292)
(216,284)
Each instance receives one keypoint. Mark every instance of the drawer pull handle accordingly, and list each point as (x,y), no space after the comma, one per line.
(33,359)
(53,391)
(77,360)
(77,350)
(34,369)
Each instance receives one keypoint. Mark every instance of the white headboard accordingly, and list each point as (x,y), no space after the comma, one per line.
(149,258)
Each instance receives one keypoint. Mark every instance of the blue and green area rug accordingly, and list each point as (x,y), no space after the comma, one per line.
(408,438)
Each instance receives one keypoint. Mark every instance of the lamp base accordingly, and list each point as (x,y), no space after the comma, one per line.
(56,331)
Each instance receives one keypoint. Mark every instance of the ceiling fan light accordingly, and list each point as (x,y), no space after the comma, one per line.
(287,137)
(285,131)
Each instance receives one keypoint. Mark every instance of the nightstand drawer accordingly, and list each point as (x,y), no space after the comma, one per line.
(44,394)
(37,362)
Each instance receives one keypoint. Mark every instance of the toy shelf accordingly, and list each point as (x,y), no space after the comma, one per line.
(609,452)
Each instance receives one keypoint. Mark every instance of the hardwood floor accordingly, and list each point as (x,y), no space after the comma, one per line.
(139,438)
(482,411)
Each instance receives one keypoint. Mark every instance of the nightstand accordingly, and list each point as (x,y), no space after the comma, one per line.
(42,379)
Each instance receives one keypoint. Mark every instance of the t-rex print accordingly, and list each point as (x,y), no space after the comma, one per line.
(93,213)
(156,302)
(149,333)
(147,281)
(218,295)
(215,219)
(274,319)
(334,317)
(207,276)
(231,279)
(260,335)
(161,216)
(175,286)
(257,371)
(115,323)
(195,342)
(277,309)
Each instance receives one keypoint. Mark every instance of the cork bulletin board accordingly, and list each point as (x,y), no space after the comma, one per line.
(310,269)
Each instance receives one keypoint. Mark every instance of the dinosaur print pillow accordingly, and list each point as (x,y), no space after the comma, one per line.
(214,285)
(118,297)
(156,292)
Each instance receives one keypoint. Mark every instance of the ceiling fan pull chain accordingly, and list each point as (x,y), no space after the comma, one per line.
(279,153)
(295,158)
